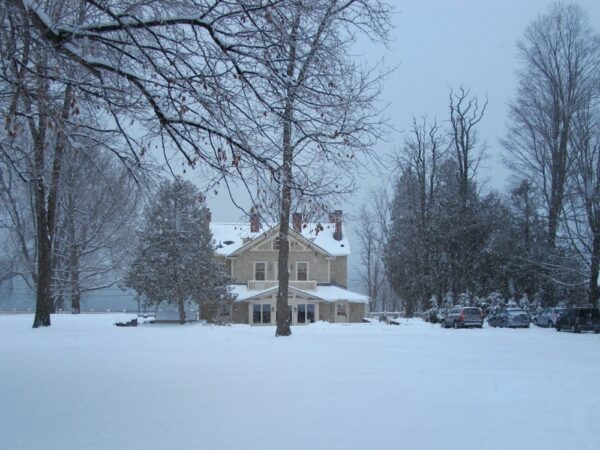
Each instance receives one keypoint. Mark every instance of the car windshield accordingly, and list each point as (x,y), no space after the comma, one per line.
(517,312)
(559,310)
(472,311)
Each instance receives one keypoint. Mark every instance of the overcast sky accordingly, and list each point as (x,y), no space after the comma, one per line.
(438,44)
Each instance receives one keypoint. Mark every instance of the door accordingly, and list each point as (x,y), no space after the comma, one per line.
(305,313)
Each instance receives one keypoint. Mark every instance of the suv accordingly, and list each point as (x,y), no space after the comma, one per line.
(463,317)
(509,318)
(579,319)
(548,316)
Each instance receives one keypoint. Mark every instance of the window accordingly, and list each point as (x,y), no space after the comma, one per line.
(302,271)
(301,313)
(306,313)
(256,316)
(266,313)
(310,313)
(261,313)
(260,271)
(341,309)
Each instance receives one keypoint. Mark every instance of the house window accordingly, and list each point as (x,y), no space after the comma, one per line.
(302,271)
(260,271)
(306,313)
(301,313)
(261,313)
(310,313)
(341,309)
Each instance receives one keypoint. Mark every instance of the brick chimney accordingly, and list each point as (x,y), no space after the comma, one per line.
(254,219)
(297,222)
(337,216)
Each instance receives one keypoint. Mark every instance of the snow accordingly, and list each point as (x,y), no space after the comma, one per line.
(84,383)
(325,293)
(229,237)
(235,233)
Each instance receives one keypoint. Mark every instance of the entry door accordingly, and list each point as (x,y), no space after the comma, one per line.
(305,313)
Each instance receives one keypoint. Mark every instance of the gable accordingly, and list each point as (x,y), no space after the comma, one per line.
(266,243)
(232,238)
(271,244)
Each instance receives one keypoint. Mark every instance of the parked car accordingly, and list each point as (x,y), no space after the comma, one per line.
(509,318)
(579,319)
(463,317)
(547,317)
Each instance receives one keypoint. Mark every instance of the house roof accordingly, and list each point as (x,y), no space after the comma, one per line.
(325,293)
(229,237)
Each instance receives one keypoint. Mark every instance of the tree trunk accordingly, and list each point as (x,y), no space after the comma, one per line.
(283,324)
(46,213)
(73,249)
(594,297)
(181,307)
(44,304)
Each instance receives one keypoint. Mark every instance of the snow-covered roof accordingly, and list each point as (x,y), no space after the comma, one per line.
(325,293)
(230,237)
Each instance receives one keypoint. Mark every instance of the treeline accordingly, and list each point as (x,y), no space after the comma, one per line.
(449,238)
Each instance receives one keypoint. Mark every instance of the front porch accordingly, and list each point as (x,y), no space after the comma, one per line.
(327,303)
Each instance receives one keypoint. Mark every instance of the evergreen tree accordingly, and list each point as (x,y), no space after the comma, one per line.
(174,262)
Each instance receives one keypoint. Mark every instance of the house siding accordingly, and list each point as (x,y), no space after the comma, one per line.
(326,311)
(357,312)
(318,265)
(339,271)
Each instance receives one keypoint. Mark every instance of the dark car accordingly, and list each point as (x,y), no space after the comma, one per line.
(579,319)
(547,317)
(509,318)
(463,317)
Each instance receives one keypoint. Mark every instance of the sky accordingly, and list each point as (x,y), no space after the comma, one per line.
(437,45)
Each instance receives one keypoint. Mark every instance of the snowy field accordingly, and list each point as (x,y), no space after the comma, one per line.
(85,384)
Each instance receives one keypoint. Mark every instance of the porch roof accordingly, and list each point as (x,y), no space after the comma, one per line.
(324,293)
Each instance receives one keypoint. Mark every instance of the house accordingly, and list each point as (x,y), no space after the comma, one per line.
(318,267)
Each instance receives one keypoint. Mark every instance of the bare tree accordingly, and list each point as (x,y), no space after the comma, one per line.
(410,253)
(372,232)
(100,205)
(326,104)
(466,112)
(582,206)
(561,58)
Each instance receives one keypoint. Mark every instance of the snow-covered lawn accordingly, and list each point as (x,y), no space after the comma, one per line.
(84,383)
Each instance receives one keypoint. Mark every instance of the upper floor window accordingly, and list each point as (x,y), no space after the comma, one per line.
(302,271)
(260,271)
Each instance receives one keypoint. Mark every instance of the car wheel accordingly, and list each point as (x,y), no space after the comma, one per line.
(597,331)
(455,324)
(575,329)
(549,324)
(443,323)
(535,322)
